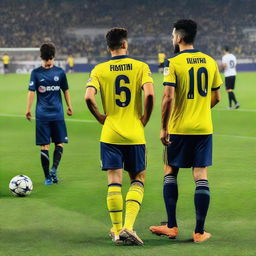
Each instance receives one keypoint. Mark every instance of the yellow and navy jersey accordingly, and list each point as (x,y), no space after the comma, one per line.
(194,75)
(161,57)
(6,59)
(120,82)
(70,61)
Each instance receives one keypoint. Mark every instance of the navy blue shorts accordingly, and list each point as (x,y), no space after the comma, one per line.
(51,131)
(187,151)
(131,158)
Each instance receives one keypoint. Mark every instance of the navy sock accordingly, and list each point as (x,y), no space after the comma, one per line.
(45,162)
(230,99)
(233,97)
(57,156)
(202,200)
(170,192)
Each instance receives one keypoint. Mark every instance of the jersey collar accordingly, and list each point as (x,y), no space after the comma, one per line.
(189,51)
(119,57)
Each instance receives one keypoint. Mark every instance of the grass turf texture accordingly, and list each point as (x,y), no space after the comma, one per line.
(71,219)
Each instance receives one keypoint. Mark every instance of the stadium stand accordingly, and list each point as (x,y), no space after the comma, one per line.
(149,24)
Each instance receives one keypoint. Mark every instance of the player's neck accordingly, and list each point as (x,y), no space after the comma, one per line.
(118,52)
(184,47)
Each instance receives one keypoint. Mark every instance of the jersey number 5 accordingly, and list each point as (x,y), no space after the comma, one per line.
(120,89)
(201,91)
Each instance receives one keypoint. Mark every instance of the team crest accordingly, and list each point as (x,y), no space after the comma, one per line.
(56,78)
(166,71)
(42,89)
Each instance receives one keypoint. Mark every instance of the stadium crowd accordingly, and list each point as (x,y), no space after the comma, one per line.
(27,23)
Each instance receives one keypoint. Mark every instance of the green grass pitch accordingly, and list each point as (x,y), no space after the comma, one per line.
(71,219)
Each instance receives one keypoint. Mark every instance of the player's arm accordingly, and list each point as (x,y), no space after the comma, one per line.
(215,98)
(148,102)
(167,100)
(92,105)
(68,102)
(217,82)
(30,99)
(65,90)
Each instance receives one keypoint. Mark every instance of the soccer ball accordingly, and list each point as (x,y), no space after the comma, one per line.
(20,185)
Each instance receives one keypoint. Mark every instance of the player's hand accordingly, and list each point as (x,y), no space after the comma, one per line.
(69,111)
(144,122)
(28,115)
(102,119)
(164,137)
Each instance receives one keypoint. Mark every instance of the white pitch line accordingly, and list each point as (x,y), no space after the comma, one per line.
(236,110)
(235,136)
(94,121)
(66,119)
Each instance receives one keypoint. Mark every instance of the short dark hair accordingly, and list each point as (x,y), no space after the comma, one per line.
(187,29)
(226,48)
(115,37)
(47,50)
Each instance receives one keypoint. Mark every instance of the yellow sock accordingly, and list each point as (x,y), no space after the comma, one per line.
(133,202)
(115,207)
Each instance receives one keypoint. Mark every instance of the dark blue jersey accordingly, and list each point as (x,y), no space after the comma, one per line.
(48,84)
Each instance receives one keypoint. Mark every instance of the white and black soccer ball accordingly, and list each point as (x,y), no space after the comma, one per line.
(21,185)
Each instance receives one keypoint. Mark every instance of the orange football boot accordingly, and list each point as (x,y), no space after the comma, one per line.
(199,238)
(163,230)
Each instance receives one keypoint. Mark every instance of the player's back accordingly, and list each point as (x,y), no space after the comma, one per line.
(230,60)
(120,82)
(48,83)
(194,74)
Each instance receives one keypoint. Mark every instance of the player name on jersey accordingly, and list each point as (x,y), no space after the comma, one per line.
(196,60)
(121,67)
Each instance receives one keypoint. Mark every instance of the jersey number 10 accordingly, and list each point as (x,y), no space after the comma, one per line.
(120,89)
(201,91)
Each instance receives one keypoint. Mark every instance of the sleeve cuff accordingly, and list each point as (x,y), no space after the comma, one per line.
(92,87)
(215,89)
(169,84)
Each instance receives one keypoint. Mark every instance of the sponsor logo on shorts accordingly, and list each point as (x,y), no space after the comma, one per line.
(31,83)
(44,89)
(89,80)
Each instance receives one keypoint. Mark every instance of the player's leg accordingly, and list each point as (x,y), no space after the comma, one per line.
(170,194)
(112,162)
(233,80)
(57,154)
(230,85)
(135,164)
(202,159)
(133,203)
(202,201)
(176,155)
(43,140)
(115,202)
(59,137)
(45,162)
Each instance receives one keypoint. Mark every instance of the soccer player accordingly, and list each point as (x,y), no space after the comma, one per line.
(161,60)
(121,81)
(192,82)
(229,66)
(6,61)
(71,63)
(48,81)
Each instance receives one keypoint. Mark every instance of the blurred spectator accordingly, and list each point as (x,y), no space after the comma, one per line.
(26,23)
